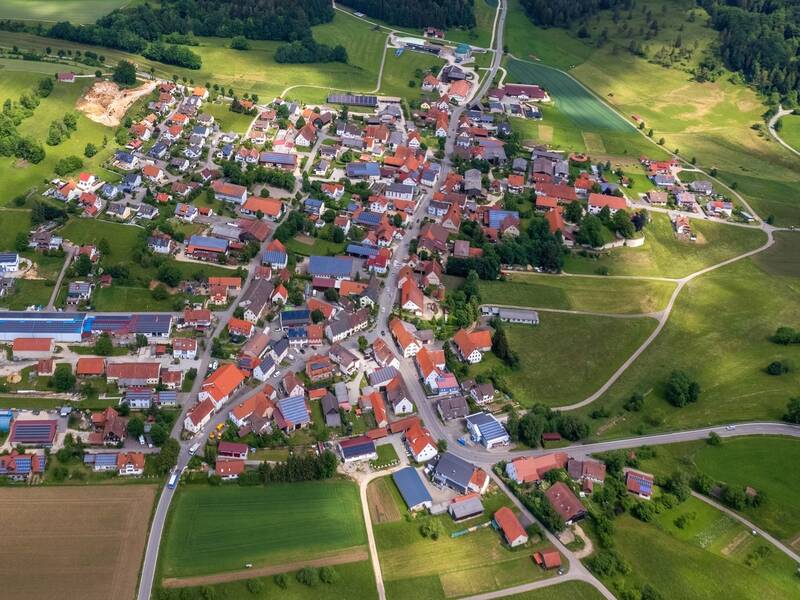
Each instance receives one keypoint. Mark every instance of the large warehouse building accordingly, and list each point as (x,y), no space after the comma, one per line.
(70,327)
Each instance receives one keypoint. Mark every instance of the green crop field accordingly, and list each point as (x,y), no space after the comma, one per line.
(719,333)
(758,461)
(590,294)
(355,580)
(213,529)
(664,255)
(419,567)
(76,11)
(589,348)
(17,176)
(706,560)
(790,130)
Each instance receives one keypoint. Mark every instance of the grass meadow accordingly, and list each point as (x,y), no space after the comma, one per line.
(591,294)
(51,11)
(757,461)
(790,130)
(712,557)
(215,529)
(565,358)
(569,590)
(664,255)
(426,569)
(718,332)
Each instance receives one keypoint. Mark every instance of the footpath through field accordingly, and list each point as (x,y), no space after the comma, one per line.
(337,558)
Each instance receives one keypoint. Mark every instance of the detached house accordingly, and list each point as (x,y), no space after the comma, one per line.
(471,345)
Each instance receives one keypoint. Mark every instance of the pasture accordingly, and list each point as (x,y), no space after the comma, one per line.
(85,542)
(216,529)
(790,130)
(52,11)
(664,255)
(569,590)
(757,461)
(565,358)
(590,294)
(783,257)
(719,333)
(706,560)
(399,71)
(427,569)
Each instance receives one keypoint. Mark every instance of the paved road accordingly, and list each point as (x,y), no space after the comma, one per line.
(782,112)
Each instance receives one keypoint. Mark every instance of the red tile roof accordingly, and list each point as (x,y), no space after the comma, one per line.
(508,522)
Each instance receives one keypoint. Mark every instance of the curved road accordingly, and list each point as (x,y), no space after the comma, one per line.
(774,132)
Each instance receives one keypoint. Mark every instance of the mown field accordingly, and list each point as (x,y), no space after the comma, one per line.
(565,358)
(590,294)
(481,34)
(103,530)
(759,462)
(719,333)
(398,71)
(227,119)
(790,130)
(75,11)
(219,529)
(712,557)
(569,590)
(782,257)
(417,567)
(664,255)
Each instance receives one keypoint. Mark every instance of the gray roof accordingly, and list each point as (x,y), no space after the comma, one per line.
(453,407)
(454,469)
(467,508)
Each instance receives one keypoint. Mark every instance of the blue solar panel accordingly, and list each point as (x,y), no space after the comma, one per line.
(294,409)
(496,217)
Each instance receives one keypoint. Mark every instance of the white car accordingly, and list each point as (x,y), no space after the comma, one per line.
(731,427)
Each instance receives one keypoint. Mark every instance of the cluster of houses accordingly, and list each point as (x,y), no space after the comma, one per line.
(696,196)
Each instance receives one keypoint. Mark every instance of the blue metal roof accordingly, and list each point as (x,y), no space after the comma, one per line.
(313,203)
(363,169)
(361,250)
(496,217)
(208,242)
(411,487)
(330,266)
(32,323)
(294,409)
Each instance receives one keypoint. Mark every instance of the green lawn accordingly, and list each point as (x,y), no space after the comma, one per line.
(319,247)
(212,529)
(76,11)
(593,294)
(227,119)
(418,567)
(481,34)
(758,461)
(790,130)
(19,177)
(356,580)
(119,297)
(704,561)
(12,223)
(400,70)
(719,333)
(566,358)
(664,255)
(28,292)
(387,455)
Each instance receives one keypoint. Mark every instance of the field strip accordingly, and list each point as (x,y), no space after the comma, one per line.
(341,557)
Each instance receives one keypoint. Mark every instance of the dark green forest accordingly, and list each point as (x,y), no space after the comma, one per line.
(419,13)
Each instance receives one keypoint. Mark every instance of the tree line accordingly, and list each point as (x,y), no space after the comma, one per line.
(564,13)
(418,13)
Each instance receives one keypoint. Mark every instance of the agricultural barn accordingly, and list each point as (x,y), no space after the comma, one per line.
(60,327)
(412,489)
(39,432)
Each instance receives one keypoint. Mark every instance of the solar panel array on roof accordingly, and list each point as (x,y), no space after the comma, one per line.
(33,432)
(355,447)
(61,326)
(490,429)
(294,409)
(496,217)
(362,250)
(168,398)
(644,483)
(110,323)
(154,324)
(354,100)
(106,460)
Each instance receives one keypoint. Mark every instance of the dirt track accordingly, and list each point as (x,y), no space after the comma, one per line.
(339,558)
(106,103)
